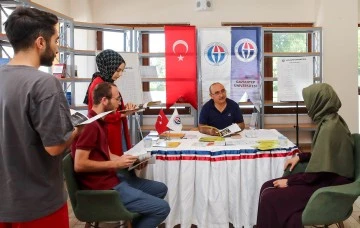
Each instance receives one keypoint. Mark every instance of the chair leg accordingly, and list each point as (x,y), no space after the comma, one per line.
(91,225)
(125,224)
(341,225)
(122,224)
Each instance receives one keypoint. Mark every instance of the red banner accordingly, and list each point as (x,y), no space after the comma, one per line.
(180,56)
(161,122)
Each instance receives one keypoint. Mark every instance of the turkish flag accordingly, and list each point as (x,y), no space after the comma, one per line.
(180,57)
(161,122)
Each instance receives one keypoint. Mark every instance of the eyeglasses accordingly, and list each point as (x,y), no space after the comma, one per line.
(116,98)
(217,93)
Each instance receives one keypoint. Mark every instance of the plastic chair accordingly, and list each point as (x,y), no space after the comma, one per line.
(94,206)
(332,204)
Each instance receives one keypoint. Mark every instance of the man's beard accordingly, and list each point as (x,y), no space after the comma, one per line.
(109,107)
(48,57)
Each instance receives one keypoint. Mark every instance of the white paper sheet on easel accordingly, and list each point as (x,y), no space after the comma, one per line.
(294,74)
(130,84)
(148,72)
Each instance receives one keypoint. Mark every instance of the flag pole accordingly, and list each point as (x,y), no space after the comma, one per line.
(138,123)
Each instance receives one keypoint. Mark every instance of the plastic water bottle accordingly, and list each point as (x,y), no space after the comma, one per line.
(147,142)
(282,141)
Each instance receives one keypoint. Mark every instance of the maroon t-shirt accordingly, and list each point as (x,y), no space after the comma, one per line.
(94,138)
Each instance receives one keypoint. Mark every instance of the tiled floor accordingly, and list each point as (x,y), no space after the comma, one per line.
(74,223)
(352,222)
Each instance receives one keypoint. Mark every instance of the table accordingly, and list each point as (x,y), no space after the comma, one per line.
(212,186)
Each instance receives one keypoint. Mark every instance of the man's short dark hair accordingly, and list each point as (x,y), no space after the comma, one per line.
(102,90)
(25,25)
(215,83)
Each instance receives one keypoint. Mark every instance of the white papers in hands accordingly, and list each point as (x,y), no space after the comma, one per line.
(229,130)
(141,107)
(141,159)
(77,118)
(142,154)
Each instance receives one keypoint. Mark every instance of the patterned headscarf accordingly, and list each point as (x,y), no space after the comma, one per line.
(107,61)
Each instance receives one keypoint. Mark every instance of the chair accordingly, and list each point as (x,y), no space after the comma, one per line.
(94,206)
(333,204)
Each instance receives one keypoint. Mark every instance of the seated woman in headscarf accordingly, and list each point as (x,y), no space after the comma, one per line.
(330,163)
(111,66)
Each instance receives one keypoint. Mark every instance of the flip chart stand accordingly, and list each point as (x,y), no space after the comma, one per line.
(297,124)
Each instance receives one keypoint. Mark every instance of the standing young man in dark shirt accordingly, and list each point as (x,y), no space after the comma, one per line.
(35,126)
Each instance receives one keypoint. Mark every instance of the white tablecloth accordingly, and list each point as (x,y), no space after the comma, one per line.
(212,186)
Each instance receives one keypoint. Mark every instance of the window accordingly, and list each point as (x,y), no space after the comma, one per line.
(292,41)
(278,43)
(153,51)
(114,41)
(157,45)
(286,42)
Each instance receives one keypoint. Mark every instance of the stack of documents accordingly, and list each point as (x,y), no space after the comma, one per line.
(211,139)
(267,144)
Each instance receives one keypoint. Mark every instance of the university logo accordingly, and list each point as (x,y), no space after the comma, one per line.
(177,120)
(245,50)
(216,53)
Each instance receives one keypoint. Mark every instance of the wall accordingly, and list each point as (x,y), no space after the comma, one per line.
(340,48)
(338,20)
(174,11)
(79,10)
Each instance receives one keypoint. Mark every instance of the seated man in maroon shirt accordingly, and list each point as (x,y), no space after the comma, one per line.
(96,166)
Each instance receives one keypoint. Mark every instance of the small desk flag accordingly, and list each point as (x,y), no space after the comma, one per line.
(161,122)
(175,121)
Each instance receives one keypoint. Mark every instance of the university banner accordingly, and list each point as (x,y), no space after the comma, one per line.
(215,63)
(180,57)
(245,64)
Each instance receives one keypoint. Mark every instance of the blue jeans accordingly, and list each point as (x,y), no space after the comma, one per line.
(144,197)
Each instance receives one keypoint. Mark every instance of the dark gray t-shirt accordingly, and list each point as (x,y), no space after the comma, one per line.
(34,113)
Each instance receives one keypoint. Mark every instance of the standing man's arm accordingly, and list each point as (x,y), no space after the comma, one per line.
(49,105)
(59,149)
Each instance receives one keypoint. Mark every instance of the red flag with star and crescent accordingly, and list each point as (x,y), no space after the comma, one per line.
(180,57)
(161,122)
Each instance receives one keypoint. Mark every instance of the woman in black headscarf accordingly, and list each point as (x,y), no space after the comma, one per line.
(111,66)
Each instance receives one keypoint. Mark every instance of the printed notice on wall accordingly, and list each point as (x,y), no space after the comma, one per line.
(129,84)
(294,74)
